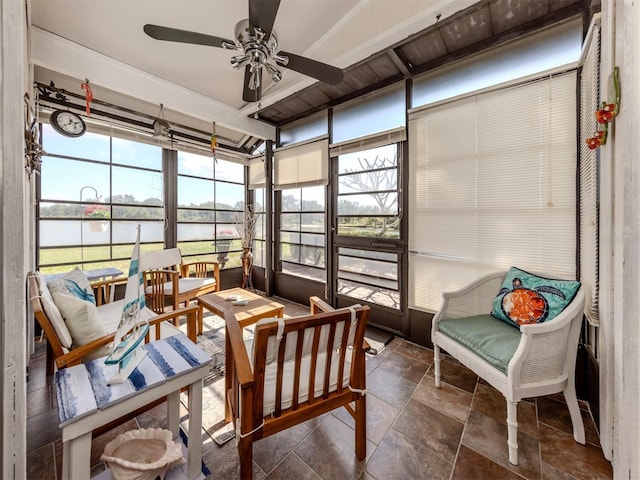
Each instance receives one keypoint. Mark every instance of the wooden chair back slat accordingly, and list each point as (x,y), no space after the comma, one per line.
(280,375)
(314,362)
(297,368)
(327,367)
(343,352)
(259,367)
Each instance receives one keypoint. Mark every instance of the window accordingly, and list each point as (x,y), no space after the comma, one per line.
(590,187)
(527,56)
(305,129)
(90,218)
(492,185)
(368,204)
(259,243)
(210,202)
(369,275)
(368,193)
(302,232)
(383,111)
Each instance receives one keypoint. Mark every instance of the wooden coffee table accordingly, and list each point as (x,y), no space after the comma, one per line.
(257,308)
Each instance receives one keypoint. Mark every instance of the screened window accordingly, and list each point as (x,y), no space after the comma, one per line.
(89,218)
(543,51)
(306,129)
(210,204)
(368,193)
(302,232)
(492,185)
(259,242)
(377,113)
(369,275)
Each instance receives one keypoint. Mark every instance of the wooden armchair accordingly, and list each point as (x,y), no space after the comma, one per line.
(169,281)
(61,355)
(293,370)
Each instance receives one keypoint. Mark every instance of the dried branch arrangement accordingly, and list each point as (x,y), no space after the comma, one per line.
(246,224)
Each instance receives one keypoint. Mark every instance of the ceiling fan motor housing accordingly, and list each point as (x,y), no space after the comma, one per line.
(257,52)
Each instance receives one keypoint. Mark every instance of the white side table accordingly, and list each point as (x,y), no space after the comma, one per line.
(86,402)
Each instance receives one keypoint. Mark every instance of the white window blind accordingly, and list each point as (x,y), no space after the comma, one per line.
(370,141)
(589,187)
(302,165)
(257,174)
(492,184)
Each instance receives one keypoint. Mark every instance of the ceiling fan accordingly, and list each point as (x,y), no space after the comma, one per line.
(258,42)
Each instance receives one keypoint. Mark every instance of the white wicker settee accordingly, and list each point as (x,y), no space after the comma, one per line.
(534,360)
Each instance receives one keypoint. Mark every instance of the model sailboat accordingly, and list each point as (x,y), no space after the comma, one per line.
(132,329)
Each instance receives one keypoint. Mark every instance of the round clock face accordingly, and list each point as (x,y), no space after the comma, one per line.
(68,123)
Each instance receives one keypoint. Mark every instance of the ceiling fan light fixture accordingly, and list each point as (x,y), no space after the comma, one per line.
(281,59)
(276,75)
(230,45)
(240,61)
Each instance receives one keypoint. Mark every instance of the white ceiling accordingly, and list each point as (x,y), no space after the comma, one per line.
(103,40)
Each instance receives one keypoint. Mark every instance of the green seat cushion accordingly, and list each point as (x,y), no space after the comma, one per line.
(490,338)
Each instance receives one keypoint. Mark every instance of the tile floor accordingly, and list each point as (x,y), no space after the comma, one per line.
(414,430)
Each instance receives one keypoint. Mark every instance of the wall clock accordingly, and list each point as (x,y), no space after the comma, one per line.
(67,123)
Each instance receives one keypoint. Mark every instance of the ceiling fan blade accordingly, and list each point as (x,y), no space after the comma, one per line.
(262,13)
(248,94)
(184,36)
(312,68)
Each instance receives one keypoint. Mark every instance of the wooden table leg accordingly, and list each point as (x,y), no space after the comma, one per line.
(229,368)
(200,320)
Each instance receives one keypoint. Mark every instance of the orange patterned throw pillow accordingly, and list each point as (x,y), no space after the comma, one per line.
(528,299)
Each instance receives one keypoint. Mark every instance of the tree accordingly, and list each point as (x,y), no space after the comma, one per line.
(377,178)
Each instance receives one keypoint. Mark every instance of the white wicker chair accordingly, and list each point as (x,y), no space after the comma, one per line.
(543,362)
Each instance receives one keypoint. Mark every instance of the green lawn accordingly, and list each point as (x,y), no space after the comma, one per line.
(60,260)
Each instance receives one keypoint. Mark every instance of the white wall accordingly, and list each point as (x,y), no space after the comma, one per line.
(620,244)
(14,236)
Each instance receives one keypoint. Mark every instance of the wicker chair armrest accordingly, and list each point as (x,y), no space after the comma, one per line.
(546,344)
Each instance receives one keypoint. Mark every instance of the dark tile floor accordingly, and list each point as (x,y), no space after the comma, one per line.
(414,430)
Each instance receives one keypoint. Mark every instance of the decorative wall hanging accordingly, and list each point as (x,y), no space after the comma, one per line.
(607,113)
(33,150)
(214,143)
(160,125)
(88,95)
